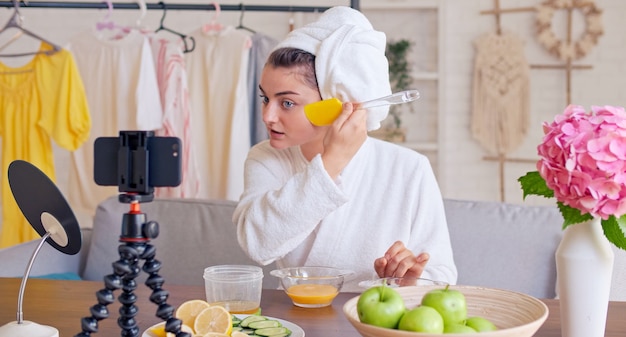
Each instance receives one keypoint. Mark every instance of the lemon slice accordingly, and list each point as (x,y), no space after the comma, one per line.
(183,328)
(189,310)
(158,330)
(217,334)
(213,319)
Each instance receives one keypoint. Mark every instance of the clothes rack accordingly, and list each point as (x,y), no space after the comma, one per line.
(175,6)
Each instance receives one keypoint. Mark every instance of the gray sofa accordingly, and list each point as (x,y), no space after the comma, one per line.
(194,234)
(505,246)
(495,244)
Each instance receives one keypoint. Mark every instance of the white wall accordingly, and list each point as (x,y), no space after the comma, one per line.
(465,174)
(462,171)
(60,25)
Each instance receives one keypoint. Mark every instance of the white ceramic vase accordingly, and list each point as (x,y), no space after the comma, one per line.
(584,261)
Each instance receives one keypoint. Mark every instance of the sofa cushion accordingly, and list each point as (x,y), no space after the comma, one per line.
(505,246)
(61,276)
(49,263)
(194,234)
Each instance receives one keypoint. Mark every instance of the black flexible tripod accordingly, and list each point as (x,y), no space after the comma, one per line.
(135,238)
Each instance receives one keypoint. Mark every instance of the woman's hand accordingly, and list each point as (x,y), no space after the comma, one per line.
(344,138)
(400,262)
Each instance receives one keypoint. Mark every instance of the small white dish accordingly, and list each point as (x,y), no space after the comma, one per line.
(395,282)
(296,331)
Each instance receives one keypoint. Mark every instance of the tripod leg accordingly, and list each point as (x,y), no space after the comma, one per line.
(159,295)
(129,264)
(136,234)
(99,311)
(105,296)
(125,270)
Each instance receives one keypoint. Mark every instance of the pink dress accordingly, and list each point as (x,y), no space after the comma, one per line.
(172,80)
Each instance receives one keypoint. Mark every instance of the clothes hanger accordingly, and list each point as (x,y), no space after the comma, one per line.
(214,25)
(181,35)
(16,21)
(143,8)
(16,36)
(119,31)
(241,26)
(291,20)
(13,38)
(106,22)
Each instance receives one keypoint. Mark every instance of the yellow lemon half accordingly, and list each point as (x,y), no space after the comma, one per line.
(323,112)
(213,319)
(189,310)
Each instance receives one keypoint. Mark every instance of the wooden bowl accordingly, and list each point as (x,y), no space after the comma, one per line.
(515,314)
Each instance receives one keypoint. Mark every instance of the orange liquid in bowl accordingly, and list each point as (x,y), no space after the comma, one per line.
(312,295)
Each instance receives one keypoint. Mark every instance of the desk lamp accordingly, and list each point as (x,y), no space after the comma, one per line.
(49,214)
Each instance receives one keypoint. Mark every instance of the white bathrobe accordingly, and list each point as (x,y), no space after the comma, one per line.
(293,213)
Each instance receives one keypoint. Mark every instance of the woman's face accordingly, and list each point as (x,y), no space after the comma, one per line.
(284,95)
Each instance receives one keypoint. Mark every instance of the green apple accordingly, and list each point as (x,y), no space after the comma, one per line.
(457,328)
(480,324)
(421,319)
(449,302)
(381,306)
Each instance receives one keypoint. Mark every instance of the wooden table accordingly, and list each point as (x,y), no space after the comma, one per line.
(62,304)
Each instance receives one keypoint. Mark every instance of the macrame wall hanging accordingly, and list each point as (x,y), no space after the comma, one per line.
(500,110)
(501,92)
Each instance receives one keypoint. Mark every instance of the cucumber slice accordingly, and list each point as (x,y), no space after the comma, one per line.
(268,323)
(246,321)
(272,331)
(248,331)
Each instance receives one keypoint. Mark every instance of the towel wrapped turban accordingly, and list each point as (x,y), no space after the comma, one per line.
(350,62)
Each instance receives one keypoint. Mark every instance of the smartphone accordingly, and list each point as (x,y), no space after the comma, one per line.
(137,161)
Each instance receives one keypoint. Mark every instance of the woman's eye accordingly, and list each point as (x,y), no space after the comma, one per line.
(264,99)
(288,104)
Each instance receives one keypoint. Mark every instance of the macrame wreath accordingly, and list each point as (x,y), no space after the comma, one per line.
(572,50)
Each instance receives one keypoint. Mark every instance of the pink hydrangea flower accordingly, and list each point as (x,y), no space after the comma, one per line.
(583,159)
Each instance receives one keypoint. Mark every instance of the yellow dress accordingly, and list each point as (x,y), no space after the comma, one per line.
(39,101)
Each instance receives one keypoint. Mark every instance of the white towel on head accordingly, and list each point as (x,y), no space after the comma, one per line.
(350,62)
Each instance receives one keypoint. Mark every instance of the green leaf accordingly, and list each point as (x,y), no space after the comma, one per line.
(614,229)
(400,77)
(533,184)
(572,215)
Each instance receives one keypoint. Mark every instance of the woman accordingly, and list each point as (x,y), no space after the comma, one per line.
(330,195)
